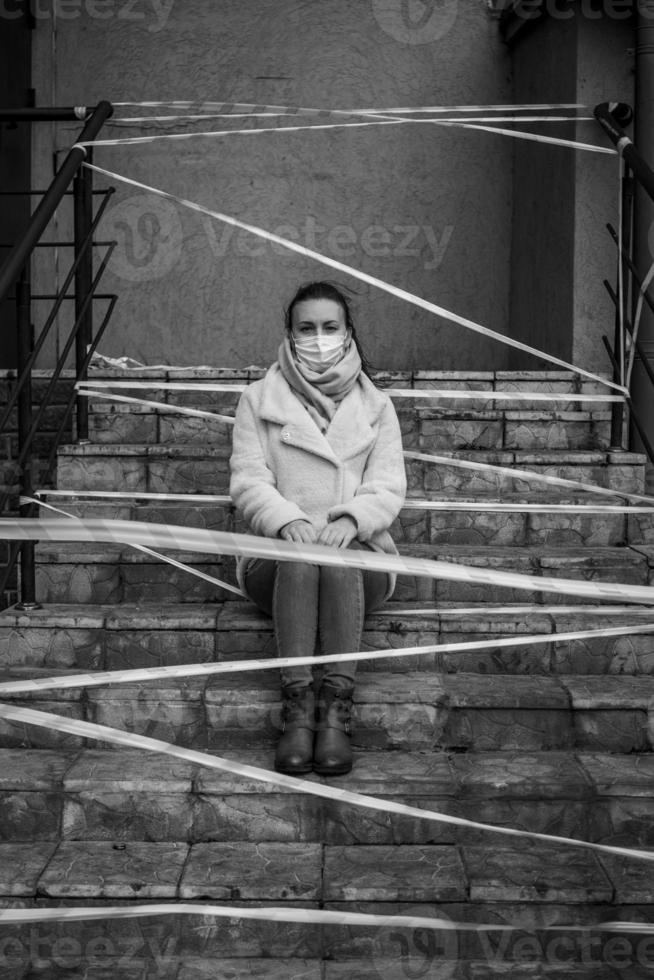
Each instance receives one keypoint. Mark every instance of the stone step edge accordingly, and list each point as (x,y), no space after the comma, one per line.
(606,693)
(460,873)
(547,776)
(238,616)
(501,457)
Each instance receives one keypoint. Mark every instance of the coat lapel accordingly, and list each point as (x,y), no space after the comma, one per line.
(350,432)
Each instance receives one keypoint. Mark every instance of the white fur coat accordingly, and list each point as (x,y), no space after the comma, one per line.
(284,469)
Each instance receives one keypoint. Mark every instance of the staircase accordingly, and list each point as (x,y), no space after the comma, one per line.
(554,738)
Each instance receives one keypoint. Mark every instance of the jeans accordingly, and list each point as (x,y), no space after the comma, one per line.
(308,602)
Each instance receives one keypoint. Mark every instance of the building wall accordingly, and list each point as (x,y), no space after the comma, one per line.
(605,73)
(421,206)
(15,37)
(563,198)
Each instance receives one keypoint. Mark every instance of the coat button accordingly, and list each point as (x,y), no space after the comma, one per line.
(285,436)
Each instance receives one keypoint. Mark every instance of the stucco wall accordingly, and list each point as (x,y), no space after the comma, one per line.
(542,268)
(423,207)
(563,198)
(605,73)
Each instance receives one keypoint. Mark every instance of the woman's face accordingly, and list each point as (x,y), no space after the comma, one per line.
(318,318)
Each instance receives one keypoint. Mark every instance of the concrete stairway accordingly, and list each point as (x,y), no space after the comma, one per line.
(554,738)
(9,470)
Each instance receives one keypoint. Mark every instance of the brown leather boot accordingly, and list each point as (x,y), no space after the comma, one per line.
(332,753)
(294,752)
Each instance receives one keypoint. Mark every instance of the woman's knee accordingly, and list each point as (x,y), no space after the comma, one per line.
(297,574)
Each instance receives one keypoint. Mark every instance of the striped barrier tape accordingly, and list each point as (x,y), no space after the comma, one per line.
(197,117)
(324,917)
(160,406)
(258,107)
(169,537)
(429,394)
(455,612)
(376,122)
(357,274)
(455,506)
(182,566)
(137,675)
(91,730)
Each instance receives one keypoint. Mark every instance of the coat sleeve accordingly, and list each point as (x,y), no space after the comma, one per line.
(380,496)
(253,486)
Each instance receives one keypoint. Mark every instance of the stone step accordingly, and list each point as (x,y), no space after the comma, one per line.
(428,429)
(205,469)
(145,950)
(340,876)
(413,711)
(483,525)
(99,573)
(96,637)
(120,796)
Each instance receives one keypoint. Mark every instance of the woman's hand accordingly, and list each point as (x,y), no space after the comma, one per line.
(299,531)
(339,533)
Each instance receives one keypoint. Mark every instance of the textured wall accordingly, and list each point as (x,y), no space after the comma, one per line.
(605,73)
(542,269)
(564,198)
(423,207)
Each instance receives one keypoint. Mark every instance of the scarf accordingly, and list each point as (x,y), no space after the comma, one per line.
(320,393)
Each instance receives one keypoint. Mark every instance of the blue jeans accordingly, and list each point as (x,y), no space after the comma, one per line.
(308,602)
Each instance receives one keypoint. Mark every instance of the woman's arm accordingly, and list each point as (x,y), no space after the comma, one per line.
(253,485)
(380,496)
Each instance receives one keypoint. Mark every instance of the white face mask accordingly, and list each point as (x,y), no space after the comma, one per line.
(319,353)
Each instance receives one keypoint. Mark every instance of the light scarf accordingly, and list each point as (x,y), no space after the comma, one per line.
(320,393)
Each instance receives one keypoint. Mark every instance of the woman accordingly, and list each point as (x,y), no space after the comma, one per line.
(317,459)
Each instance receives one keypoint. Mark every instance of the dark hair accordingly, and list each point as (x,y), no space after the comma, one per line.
(327,290)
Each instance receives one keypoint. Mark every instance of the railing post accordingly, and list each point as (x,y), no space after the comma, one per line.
(622,314)
(83,219)
(24,325)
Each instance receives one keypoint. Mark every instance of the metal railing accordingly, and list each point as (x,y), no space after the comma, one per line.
(612,117)
(80,286)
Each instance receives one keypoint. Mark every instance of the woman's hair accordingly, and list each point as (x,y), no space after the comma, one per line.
(327,290)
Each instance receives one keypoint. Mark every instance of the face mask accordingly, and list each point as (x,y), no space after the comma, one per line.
(319,353)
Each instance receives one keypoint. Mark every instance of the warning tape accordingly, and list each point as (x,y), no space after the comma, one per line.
(289,914)
(398,121)
(160,406)
(85,729)
(462,506)
(444,612)
(196,117)
(170,537)
(357,274)
(258,107)
(84,388)
(182,566)
(146,674)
